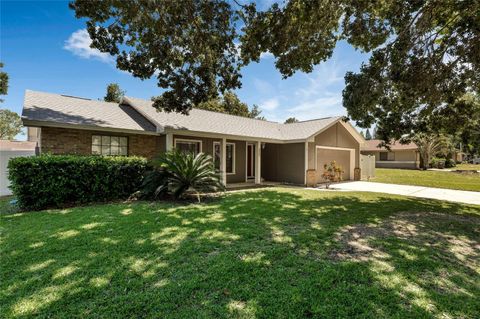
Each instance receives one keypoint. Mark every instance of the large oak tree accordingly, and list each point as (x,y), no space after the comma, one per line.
(424,55)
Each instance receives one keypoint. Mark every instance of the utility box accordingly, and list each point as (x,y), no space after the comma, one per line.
(311,178)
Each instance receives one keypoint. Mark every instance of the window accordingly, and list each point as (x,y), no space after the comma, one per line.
(230,164)
(230,157)
(217,151)
(109,145)
(387,156)
(188,146)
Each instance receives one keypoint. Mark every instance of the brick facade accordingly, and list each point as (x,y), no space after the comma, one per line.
(72,141)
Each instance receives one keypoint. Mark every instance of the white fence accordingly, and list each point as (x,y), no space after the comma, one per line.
(5,156)
(367,166)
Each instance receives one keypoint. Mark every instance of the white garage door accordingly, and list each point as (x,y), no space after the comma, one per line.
(343,158)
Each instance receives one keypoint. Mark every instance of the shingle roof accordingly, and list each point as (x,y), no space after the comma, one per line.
(64,109)
(372,145)
(138,115)
(213,122)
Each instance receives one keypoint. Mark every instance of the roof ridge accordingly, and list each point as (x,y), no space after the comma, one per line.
(217,112)
(318,119)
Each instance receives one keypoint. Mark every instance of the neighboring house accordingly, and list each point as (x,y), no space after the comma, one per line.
(399,155)
(243,149)
(8,150)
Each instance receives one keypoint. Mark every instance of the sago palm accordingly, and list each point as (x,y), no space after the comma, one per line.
(184,173)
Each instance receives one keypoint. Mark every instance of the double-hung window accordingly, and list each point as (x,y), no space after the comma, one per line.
(188,146)
(109,145)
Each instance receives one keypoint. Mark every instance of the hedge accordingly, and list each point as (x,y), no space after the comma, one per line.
(58,180)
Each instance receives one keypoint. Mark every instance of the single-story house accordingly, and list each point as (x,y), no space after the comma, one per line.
(399,155)
(243,149)
(10,149)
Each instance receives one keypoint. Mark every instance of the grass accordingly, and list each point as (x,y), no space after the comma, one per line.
(278,252)
(450,180)
(475,167)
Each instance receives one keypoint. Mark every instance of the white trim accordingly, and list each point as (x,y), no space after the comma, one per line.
(357,136)
(169,142)
(306,163)
(233,158)
(252,158)
(246,161)
(175,140)
(258,163)
(223,161)
(352,157)
(229,137)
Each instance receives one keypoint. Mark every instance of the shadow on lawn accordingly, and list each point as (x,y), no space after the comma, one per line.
(256,254)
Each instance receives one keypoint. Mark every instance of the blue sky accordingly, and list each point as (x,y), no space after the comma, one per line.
(45,48)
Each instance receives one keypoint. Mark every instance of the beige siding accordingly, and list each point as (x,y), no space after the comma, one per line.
(399,156)
(284,163)
(335,136)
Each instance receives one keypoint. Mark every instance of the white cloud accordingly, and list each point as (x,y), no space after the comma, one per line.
(263,87)
(79,44)
(270,104)
(266,55)
(322,106)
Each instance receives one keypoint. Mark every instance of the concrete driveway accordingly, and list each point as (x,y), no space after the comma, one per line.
(452,195)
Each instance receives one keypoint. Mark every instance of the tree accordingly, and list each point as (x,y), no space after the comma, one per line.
(231,104)
(3,82)
(374,133)
(187,45)
(362,134)
(114,93)
(291,120)
(423,54)
(10,124)
(367,135)
(429,145)
(255,113)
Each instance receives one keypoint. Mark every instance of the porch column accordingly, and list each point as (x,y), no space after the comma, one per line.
(258,163)
(223,161)
(169,142)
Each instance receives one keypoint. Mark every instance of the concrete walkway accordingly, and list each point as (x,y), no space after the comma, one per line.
(466,197)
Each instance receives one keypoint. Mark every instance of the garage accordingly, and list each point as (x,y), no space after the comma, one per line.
(344,157)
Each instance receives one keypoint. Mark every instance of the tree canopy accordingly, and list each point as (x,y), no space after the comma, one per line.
(291,120)
(3,82)
(424,55)
(229,103)
(10,124)
(114,93)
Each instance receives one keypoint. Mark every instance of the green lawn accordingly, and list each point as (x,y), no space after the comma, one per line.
(475,167)
(278,252)
(439,179)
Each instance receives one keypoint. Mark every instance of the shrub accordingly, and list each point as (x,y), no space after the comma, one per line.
(437,162)
(449,163)
(181,174)
(59,180)
(332,173)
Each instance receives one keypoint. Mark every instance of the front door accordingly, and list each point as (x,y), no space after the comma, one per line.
(250,161)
